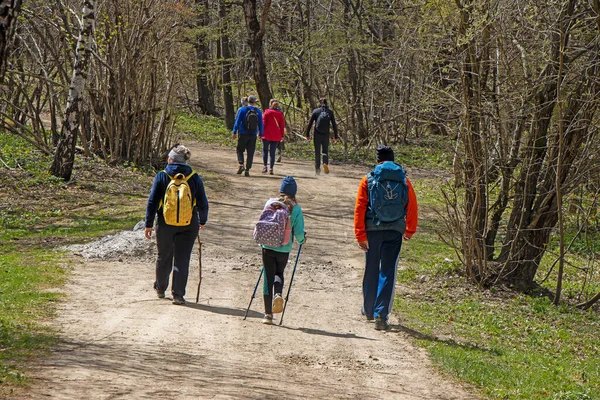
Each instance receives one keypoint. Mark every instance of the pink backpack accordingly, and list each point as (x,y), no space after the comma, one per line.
(274,227)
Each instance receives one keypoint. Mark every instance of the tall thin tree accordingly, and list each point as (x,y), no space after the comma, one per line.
(256,33)
(64,156)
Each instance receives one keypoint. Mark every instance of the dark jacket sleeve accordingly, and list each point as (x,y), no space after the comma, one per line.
(313,118)
(156,195)
(334,124)
(201,200)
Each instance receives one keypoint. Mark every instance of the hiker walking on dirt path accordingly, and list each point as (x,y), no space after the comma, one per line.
(323,118)
(248,123)
(386,213)
(275,258)
(179,199)
(274,129)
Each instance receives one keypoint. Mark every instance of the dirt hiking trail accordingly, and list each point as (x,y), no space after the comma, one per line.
(119,341)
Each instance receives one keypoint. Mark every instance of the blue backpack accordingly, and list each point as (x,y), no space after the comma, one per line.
(388,192)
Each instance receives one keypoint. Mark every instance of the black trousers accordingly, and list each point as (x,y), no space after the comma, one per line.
(274,263)
(321,141)
(175,244)
(246,143)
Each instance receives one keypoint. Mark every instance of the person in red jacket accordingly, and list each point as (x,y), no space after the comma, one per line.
(274,128)
(385,214)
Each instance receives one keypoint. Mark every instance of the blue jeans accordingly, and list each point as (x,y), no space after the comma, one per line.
(381,262)
(269,149)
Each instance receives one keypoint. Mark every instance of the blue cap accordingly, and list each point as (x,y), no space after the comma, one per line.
(288,186)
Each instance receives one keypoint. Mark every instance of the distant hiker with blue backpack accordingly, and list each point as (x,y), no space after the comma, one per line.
(279,223)
(323,119)
(248,124)
(179,199)
(385,214)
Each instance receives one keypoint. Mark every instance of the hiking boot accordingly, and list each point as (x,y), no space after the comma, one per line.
(318,171)
(267,320)
(247,172)
(381,324)
(369,317)
(325,168)
(159,294)
(178,300)
(264,170)
(240,170)
(277,303)
(279,159)
(271,172)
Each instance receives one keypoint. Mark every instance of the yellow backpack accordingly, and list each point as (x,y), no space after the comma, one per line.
(178,203)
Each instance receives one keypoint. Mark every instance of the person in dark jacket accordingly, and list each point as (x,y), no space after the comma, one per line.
(381,240)
(175,243)
(247,139)
(323,118)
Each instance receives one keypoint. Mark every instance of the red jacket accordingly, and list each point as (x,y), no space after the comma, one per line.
(274,125)
(360,210)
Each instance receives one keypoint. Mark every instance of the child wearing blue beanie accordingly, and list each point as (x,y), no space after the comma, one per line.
(275,258)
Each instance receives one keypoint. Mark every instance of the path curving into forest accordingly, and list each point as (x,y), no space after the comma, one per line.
(118,341)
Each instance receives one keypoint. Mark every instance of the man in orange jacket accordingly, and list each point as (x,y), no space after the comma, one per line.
(385,214)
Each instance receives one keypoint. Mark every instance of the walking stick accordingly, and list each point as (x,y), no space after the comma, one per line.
(253,293)
(290,286)
(199,268)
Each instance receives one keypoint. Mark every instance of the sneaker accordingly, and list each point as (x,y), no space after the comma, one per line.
(318,171)
(247,172)
(159,293)
(277,304)
(271,172)
(178,300)
(381,324)
(325,168)
(279,159)
(267,320)
(264,170)
(369,317)
(240,170)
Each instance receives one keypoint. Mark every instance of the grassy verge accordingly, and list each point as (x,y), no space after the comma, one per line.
(508,345)
(37,214)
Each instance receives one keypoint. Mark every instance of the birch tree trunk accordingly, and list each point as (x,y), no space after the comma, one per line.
(64,156)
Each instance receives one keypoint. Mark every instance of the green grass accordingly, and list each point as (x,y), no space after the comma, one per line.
(508,345)
(37,213)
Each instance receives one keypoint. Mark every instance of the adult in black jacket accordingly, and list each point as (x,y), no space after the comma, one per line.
(175,243)
(323,119)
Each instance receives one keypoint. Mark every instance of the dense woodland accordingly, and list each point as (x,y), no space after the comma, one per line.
(513,84)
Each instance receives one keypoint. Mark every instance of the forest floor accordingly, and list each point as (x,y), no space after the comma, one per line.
(119,341)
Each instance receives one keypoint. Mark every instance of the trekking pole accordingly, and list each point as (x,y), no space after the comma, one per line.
(199,268)
(290,286)
(253,293)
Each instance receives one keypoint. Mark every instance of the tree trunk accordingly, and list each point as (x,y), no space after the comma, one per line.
(62,166)
(226,70)
(256,33)
(9,10)
(206,101)
(535,207)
